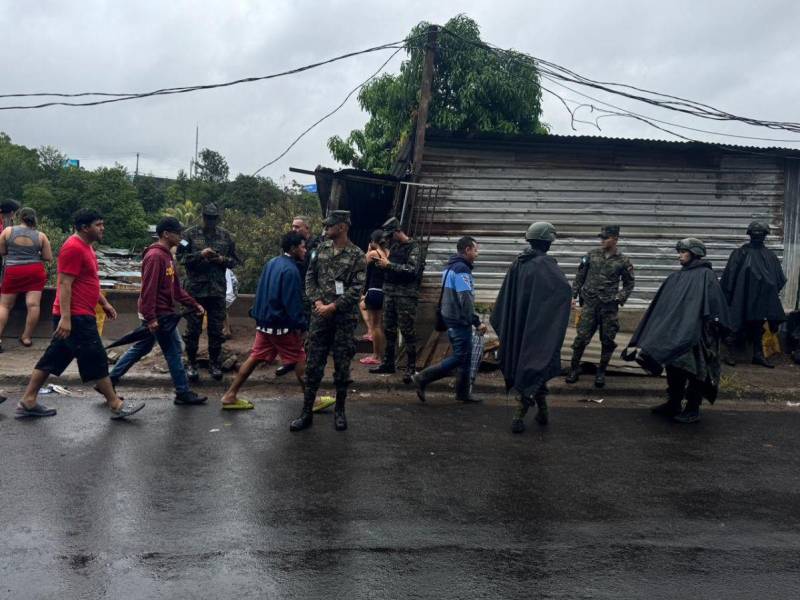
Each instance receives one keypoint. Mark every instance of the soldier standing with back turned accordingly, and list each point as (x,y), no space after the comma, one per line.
(401,295)
(205,252)
(597,285)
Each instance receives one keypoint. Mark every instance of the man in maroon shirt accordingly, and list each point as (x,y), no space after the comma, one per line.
(160,290)
(76,335)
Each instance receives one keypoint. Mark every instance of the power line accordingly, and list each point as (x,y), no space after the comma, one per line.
(121,97)
(331,113)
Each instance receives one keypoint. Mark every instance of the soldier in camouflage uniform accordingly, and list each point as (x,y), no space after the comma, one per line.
(597,286)
(401,294)
(205,252)
(334,281)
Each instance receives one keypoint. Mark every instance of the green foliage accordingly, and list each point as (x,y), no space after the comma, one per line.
(258,238)
(474,90)
(187,212)
(251,195)
(57,237)
(151,193)
(18,166)
(212,167)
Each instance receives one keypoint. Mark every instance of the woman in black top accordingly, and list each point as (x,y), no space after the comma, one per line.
(372,299)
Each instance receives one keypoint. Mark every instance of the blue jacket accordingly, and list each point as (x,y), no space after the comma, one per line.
(458,295)
(279,302)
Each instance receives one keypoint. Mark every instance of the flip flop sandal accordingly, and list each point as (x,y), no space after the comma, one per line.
(37,410)
(239,405)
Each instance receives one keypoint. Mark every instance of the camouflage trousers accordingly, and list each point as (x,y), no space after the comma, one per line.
(215,312)
(402,311)
(603,315)
(336,335)
(525,402)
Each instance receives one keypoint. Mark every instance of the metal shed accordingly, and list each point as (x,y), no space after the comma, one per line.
(492,187)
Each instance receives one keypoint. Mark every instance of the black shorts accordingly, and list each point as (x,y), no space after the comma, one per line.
(83,344)
(374,299)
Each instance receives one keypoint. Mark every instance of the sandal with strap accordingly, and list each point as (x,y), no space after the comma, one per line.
(37,410)
(240,404)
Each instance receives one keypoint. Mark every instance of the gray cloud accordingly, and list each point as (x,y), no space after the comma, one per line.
(738,57)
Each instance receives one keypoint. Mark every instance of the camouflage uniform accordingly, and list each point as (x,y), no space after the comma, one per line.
(597,285)
(336,333)
(401,295)
(205,281)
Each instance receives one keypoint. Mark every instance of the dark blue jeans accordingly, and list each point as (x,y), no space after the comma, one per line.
(461,341)
(171,347)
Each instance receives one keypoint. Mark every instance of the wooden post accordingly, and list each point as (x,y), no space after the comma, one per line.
(424,100)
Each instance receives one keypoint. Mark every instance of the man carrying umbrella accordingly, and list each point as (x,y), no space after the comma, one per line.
(530,317)
(160,290)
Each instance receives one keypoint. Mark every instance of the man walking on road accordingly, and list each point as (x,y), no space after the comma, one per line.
(160,290)
(280,318)
(458,313)
(76,335)
(403,267)
(205,252)
(334,281)
(530,317)
(597,285)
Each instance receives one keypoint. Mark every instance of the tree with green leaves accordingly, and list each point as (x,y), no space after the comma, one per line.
(474,90)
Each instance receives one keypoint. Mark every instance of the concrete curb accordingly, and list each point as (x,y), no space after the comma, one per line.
(618,387)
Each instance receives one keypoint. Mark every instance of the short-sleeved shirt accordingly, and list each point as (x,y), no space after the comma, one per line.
(77,258)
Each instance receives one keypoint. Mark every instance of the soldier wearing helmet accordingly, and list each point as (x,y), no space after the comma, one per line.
(752,282)
(681,332)
(533,304)
(597,287)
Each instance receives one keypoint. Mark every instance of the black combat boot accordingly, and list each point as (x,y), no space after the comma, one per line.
(463,385)
(306,418)
(756,336)
(388,364)
(672,407)
(518,422)
(425,377)
(574,367)
(690,414)
(543,411)
(411,367)
(600,375)
(339,418)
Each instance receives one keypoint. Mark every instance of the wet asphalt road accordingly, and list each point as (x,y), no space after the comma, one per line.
(434,501)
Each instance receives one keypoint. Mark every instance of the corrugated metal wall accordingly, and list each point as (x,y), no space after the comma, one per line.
(657,193)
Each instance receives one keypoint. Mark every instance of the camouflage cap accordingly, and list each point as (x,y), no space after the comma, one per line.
(337,216)
(693,245)
(391,225)
(210,210)
(607,231)
(758,228)
(541,230)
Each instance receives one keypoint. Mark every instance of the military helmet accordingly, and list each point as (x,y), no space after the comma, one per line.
(210,210)
(541,230)
(693,245)
(758,228)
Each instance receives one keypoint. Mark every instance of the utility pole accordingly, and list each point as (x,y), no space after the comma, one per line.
(196,143)
(136,172)
(424,99)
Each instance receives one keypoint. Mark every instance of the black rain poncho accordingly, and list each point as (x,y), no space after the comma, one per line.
(752,281)
(530,317)
(684,323)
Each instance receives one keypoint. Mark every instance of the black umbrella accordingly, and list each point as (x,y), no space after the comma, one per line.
(166,324)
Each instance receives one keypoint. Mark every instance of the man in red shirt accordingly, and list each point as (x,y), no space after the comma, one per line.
(160,290)
(76,335)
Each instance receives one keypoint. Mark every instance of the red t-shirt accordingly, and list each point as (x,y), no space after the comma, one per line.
(77,258)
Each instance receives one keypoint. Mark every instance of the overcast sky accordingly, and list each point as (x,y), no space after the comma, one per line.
(739,56)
